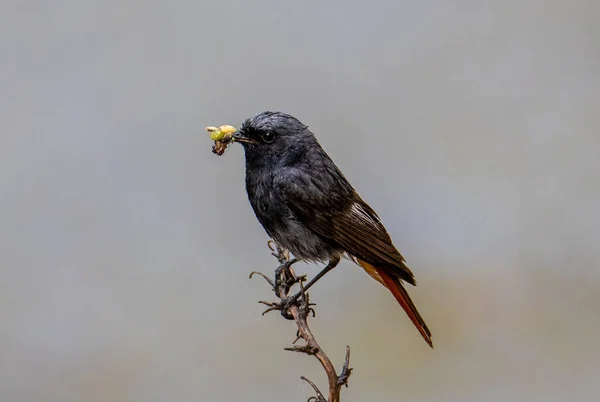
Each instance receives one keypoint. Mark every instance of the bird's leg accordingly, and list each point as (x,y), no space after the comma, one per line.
(285,303)
(285,279)
(332,264)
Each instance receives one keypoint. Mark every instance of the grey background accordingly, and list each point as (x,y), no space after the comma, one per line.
(125,245)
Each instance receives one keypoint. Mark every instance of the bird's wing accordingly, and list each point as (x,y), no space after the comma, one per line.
(328,205)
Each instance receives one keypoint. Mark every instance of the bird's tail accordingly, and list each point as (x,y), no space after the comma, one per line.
(401,295)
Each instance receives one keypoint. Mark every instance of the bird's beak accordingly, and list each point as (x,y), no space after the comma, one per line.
(239,137)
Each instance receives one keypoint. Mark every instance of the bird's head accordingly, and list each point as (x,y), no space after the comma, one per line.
(274,136)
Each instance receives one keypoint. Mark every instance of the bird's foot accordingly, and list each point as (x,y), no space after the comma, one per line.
(304,303)
(283,306)
(283,276)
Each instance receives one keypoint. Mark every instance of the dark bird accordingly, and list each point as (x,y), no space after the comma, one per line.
(308,207)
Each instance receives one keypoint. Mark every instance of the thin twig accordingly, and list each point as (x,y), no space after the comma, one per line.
(299,310)
(319,397)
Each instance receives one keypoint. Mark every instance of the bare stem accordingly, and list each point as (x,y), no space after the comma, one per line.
(299,310)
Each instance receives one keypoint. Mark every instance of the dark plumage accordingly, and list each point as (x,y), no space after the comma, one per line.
(307,206)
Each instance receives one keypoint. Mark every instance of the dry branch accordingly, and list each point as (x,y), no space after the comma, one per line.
(299,310)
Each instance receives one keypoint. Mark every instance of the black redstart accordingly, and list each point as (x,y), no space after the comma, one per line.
(308,207)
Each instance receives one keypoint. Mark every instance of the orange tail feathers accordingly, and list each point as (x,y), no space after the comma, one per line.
(401,296)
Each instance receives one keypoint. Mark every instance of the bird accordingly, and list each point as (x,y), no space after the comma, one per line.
(308,207)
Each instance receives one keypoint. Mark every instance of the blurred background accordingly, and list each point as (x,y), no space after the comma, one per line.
(125,244)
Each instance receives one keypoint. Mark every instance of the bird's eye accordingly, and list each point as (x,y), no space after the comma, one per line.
(267,137)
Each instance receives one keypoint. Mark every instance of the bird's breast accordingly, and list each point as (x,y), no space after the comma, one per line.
(280,222)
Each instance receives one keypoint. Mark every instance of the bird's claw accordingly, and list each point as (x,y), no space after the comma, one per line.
(283,305)
(285,278)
